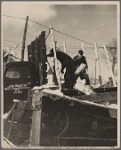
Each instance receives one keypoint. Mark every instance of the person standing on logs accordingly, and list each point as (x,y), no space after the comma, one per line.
(80,67)
(66,62)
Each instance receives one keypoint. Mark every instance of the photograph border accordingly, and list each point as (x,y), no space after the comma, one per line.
(118,83)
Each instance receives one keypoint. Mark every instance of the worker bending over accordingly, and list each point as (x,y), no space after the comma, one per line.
(66,62)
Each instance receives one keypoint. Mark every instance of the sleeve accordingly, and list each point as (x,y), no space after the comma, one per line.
(75,58)
(85,62)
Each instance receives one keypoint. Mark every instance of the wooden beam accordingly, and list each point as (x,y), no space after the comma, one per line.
(111,71)
(20,109)
(11,124)
(64,45)
(24,39)
(98,62)
(10,112)
(35,133)
(56,70)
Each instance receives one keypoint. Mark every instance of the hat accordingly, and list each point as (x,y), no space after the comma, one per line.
(80,52)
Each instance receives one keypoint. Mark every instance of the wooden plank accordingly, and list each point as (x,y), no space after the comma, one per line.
(9,113)
(36,127)
(35,134)
(20,110)
(24,39)
(42,58)
(98,62)
(109,64)
(10,128)
(65,50)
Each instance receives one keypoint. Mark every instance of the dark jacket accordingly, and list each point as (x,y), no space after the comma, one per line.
(65,59)
(78,60)
(67,62)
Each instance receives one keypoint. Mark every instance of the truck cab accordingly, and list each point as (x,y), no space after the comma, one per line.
(19,77)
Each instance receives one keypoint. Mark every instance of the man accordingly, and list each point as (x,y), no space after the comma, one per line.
(67,62)
(80,67)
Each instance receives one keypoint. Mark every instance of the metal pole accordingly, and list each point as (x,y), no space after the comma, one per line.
(106,52)
(24,39)
(98,62)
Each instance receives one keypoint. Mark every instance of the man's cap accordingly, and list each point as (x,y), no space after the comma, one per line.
(80,52)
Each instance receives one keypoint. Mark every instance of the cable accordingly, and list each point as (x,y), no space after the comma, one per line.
(10,41)
(11,46)
(49,28)
(39,23)
(91,58)
(73,37)
(60,33)
(56,31)
(47,35)
(14,17)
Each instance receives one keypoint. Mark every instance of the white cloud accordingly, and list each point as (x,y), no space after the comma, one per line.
(38,12)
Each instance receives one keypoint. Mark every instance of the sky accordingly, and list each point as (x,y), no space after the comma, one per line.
(90,22)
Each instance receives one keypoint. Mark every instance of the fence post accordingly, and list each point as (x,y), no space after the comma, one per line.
(24,39)
(56,71)
(83,48)
(98,62)
(106,52)
(64,45)
(36,128)
(95,70)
